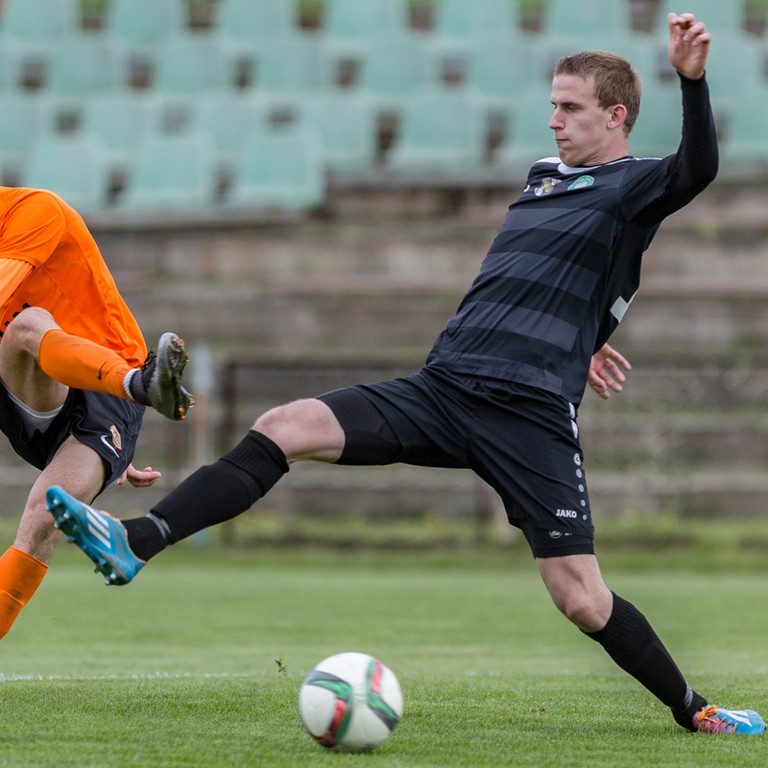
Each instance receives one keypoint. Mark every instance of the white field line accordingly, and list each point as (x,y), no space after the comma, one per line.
(145,676)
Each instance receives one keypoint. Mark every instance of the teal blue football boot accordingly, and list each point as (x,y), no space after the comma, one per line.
(713,719)
(102,537)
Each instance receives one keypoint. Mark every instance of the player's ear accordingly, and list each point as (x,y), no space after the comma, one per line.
(617,115)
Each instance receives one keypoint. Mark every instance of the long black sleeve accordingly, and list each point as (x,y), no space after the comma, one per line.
(697,159)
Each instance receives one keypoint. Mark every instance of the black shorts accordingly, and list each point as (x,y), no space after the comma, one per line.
(107,424)
(521,440)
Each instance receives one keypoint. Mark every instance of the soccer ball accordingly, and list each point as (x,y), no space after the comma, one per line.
(350,702)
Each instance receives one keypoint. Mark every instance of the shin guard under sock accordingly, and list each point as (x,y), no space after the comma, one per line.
(81,363)
(630,641)
(210,495)
(20,576)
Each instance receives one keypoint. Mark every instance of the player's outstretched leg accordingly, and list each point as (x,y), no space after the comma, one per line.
(158,382)
(101,536)
(713,719)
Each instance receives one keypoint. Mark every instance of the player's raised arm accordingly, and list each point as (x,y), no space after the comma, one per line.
(688,44)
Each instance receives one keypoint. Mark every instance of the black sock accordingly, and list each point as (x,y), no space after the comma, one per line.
(210,495)
(631,642)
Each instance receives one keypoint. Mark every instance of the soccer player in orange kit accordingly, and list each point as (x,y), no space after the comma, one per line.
(75,376)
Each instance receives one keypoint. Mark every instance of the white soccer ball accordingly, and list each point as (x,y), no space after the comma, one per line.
(350,702)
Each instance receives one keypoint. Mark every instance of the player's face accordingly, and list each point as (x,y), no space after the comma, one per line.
(585,133)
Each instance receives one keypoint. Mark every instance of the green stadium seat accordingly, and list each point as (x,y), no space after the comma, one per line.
(137,29)
(82,65)
(74,167)
(443,130)
(735,68)
(251,22)
(499,68)
(33,117)
(243,26)
(350,25)
(586,18)
(230,118)
(458,22)
(120,119)
(279,170)
(395,67)
(37,23)
(171,173)
(658,128)
(191,63)
(744,147)
(292,69)
(347,126)
(29,32)
(529,137)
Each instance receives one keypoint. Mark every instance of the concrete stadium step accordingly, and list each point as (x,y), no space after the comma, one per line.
(355,313)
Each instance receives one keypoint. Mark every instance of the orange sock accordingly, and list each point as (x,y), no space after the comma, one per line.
(82,364)
(20,576)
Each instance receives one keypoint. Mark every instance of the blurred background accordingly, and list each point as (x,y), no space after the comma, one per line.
(304,189)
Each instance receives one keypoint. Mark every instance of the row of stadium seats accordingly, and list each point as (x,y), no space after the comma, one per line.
(132,151)
(144,22)
(449,105)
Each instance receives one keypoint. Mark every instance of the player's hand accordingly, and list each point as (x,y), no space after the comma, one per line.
(139,478)
(605,371)
(688,44)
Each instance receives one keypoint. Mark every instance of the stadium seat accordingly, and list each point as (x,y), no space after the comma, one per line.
(33,117)
(137,28)
(119,119)
(443,129)
(171,173)
(230,118)
(735,68)
(280,170)
(347,126)
(292,69)
(529,137)
(744,149)
(243,26)
(30,30)
(394,67)
(251,22)
(350,24)
(586,18)
(658,128)
(81,66)
(74,167)
(499,68)
(459,23)
(191,63)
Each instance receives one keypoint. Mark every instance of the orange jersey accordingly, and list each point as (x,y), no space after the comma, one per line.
(49,259)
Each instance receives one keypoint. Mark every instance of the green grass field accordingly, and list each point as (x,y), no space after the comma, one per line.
(181,667)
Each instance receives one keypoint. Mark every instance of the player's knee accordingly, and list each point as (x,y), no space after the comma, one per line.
(581,609)
(27,329)
(302,428)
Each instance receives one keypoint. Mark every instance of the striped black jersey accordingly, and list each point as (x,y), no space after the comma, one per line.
(565,264)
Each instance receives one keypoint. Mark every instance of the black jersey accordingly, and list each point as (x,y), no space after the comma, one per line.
(565,264)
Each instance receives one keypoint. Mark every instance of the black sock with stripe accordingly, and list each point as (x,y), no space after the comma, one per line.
(630,641)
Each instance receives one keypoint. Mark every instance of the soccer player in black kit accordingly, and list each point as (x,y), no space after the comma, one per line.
(501,386)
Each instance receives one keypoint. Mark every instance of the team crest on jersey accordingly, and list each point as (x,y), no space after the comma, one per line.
(117,439)
(546,186)
(582,181)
